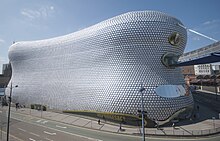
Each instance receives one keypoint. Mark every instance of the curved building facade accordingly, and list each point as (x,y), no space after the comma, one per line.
(101,68)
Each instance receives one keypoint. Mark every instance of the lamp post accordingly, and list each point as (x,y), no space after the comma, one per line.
(213,118)
(9,110)
(216,93)
(142,111)
(215,72)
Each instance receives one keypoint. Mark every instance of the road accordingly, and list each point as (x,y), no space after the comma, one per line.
(26,131)
(28,128)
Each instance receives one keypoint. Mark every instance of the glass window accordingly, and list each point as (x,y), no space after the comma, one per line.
(170,59)
(174,39)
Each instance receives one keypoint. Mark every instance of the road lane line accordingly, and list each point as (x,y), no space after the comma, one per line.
(49,133)
(48,139)
(44,122)
(61,126)
(34,134)
(73,134)
(127,135)
(32,139)
(94,139)
(39,120)
(22,129)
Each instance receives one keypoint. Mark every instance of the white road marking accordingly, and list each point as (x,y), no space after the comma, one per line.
(31,139)
(76,134)
(73,134)
(167,138)
(49,133)
(44,122)
(61,126)
(39,120)
(48,139)
(65,131)
(34,134)
(22,129)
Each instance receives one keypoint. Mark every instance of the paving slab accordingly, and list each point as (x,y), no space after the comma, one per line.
(150,132)
(59,117)
(36,113)
(129,130)
(159,132)
(81,122)
(24,111)
(93,125)
(204,125)
(49,115)
(109,128)
(70,119)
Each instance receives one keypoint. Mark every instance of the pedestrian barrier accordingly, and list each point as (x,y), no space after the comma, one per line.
(177,132)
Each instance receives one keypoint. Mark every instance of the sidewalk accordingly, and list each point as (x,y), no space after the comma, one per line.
(209,92)
(206,127)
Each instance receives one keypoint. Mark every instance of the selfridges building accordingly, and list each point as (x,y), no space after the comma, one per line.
(101,68)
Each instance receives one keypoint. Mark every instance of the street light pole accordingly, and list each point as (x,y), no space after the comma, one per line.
(213,118)
(216,93)
(215,82)
(142,112)
(9,110)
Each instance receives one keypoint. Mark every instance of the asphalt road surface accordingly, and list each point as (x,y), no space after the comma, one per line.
(28,128)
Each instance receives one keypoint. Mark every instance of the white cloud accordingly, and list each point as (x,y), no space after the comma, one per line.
(196,38)
(2,41)
(42,12)
(51,8)
(206,30)
(31,14)
(208,26)
(207,22)
(193,36)
(211,22)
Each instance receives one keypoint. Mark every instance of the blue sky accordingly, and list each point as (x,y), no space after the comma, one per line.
(22,20)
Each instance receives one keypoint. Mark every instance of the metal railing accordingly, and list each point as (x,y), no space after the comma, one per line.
(179,132)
